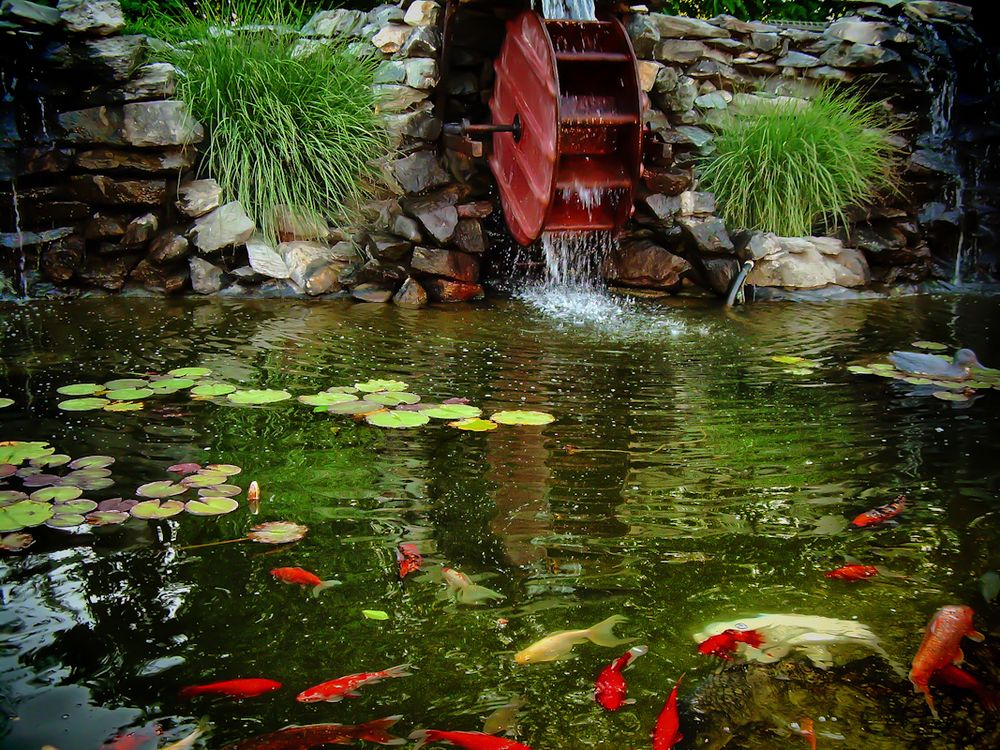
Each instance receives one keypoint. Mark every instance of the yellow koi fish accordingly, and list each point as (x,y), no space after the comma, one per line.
(559,644)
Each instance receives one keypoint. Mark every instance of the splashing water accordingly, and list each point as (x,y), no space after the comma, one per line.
(22,281)
(576,10)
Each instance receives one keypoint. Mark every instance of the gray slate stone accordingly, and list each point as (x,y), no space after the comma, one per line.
(206,278)
(371,293)
(681,27)
(858,56)
(102,125)
(411,295)
(797,60)
(163,123)
(169,246)
(152,81)
(302,258)
(140,230)
(226,226)
(198,197)
(451,264)
(28,13)
(708,235)
(425,41)
(96,17)
(266,260)
(419,172)
(643,33)
(680,51)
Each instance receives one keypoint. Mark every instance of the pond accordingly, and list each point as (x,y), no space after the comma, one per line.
(688,478)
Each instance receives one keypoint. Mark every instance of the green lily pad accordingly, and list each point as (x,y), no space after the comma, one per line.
(56,494)
(129,394)
(161,489)
(56,459)
(7,470)
(190,372)
(951,385)
(341,389)
(453,411)
(884,366)
(81,505)
(277,532)
(950,396)
(375,614)
(119,406)
(123,383)
(92,462)
(800,371)
(93,472)
(976,384)
(211,506)
(786,359)
(152,510)
(171,384)
(220,490)
(9,497)
(209,479)
(5,402)
(229,470)
(65,521)
(519,417)
(917,381)
(861,370)
(398,420)
(354,407)
(208,390)
(373,386)
(258,396)
(80,389)
(393,398)
(931,346)
(17,452)
(23,515)
(91,483)
(327,398)
(16,542)
(83,404)
(107,517)
(474,425)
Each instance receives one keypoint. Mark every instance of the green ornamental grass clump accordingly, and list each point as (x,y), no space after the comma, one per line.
(788,166)
(290,122)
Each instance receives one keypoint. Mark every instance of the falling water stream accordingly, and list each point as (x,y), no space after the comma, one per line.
(578,10)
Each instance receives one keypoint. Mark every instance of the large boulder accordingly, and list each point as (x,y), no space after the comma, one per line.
(680,27)
(164,123)
(708,235)
(645,264)
(451,264)
(102,125)
(419,172)
(266,260)
(422,13)
(226,226)
(809,263)
(102,190)
(448,290)
(95,17)
(198,197)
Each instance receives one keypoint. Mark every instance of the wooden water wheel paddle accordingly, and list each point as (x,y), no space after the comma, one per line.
(567,151)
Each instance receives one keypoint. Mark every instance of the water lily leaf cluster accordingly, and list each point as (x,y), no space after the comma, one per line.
(797,365)
(128,394)
(215,496)
(955,391)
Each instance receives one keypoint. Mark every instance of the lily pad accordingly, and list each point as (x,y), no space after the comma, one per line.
(7,470)
(394,398)
(40,480)
(91,483)
(5,402)
(117,504)
(220,490)
(16,542)
(56,459)
(152,510)
(341,389)
(229,470)
(917,381)
(9,497)
(327,398)
(398,419)
(129,394)
(23,515)
(786,359)
(94,472)
(122,383)
(190,372)
(17,452)
(277,532)
(184,469)
(519,417)
(83,404)
(80,389)
(203,480)
(861,370)
(81,505)
(931,346)
(800,371)
(56,494)
(211,506)
(66,521)
(374,386)
(106,517)
(161,489)
(171,384)
(454,411)
(124,406)
(28,471)
(258,396)
(92,462)
(354,407)
(375,614)
(474,425)
(213,389)
(882,366)
(950,396)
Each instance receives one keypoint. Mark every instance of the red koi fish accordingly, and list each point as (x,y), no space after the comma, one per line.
(853,572)
(409,559)
(610,689)
(881,514)
(468,740)
(667,732)
(302,577)
(346,687)
(239,689)
(942,646)
(952,675)
(314,735)
(724,644)
(133,740)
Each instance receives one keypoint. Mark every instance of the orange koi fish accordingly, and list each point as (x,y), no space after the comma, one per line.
(808,731)
(314,735)
(133,740)
(952,675)
(409,559)
(238,689)
(346,687)
(942,646)
(724,644)
(610,689)
(853,572)
(667,732)
(468,740)
(302,577)
(881,514)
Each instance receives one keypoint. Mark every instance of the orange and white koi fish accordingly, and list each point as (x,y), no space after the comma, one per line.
(942,646)
(610,689)
(881,514)
(724,644)
(409,559)
(301,577)
(346,687)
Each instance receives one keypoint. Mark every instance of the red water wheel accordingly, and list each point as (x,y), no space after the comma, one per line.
(572,88)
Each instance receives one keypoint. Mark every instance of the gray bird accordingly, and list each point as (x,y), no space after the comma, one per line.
(935,367)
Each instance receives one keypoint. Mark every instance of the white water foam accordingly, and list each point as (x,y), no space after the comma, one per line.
(577,10)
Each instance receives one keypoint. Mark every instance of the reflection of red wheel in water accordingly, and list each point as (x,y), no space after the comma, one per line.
(574,88)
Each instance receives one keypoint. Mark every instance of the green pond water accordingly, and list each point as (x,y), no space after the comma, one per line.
(701,482)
